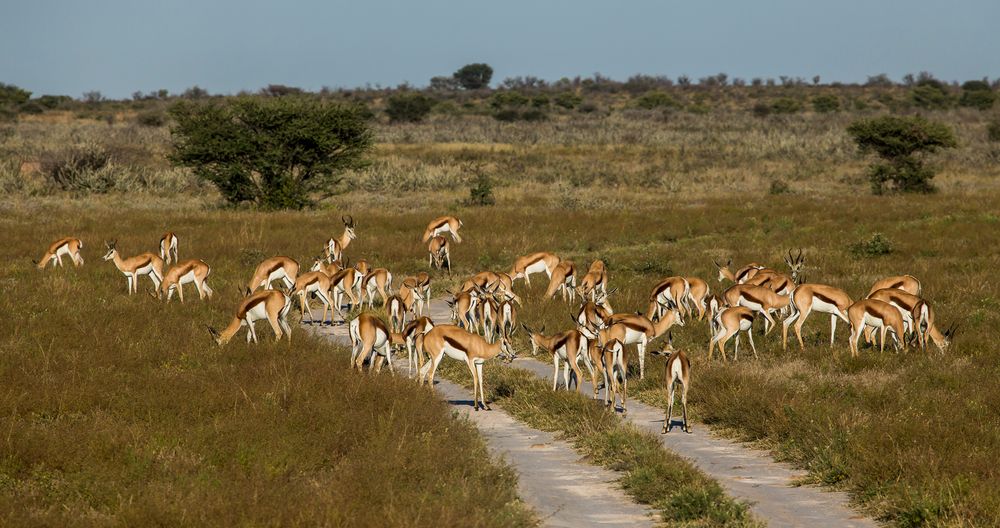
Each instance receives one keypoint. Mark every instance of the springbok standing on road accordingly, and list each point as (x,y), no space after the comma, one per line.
(465,346)
(676,370)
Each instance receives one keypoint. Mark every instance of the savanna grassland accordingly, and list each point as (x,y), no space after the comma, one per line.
(134,414)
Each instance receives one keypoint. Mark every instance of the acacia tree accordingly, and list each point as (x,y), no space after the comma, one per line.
(901,143)
(276,153)
(474,76)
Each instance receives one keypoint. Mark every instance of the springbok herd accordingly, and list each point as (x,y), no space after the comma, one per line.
(484,310)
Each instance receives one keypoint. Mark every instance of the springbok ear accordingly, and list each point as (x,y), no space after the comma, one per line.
(730,261)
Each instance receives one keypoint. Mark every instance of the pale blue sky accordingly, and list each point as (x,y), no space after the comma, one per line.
(120,46)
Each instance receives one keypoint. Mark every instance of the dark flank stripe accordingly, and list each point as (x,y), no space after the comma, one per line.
(274,268)
(900,301)
(746,317)
(637,328)
(751,298)
(455,344)
(143,263)
(824,298)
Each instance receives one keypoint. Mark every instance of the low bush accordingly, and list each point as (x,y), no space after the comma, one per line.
(876,246)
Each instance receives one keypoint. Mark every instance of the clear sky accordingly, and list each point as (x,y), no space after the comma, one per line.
(120,46)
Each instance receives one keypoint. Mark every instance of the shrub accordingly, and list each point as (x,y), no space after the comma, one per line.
(152,118)
(931,94)
(588,108)
(568,100)
(506,116)
(656,99)
(13,95)
(977,94)
(899,142)
(53,101)
(786,105)
(508,99)
(779,187)
(825,104)
(481,191)
(876,246)
(540,101)
(73,169)
(761,109)
(276,153)
(993,129)
(474,76)
(31,107)
(534,114)
(409,107)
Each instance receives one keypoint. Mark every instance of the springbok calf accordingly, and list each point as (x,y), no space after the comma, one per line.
(879,315)
(439,255)
(907,283)
(443,224)
(370,335)
(377,280)
(918,317)
(318,283)
(760,299)
(563,280)
(568,347)
(464,346)
(595,282)
(815,297)
(730,322)
(527,265)
(64,246)
(133,267)
(272,305)
(677,370)
(336,245)
(741,275)
(186,272)
(275,268)
(168,246)
(669,290)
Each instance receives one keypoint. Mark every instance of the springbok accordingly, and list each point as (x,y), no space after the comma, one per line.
(760,299)
(168,246)
(907,283)
(669,290)
(918,317)
(525,266)
(318,283)
(376,280)
(439,256)
(369,335)
(595,282)
(635,329)
(275,268)
(564,281)
(186,272)
(64,246)
(443,224)
(133,267)
(615,369)
(336,245)
(464,346)
(568,347)
(676,370)
(727,323)
(272,305)
(815,297)
(741,275)
(698,292)
(879,315)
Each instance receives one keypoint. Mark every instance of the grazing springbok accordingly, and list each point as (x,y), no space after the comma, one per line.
(272,305)
(760,299)
(635,329)
(669,290)
(377,280)
(595,282)
(186,272)
(443,224)
(541,262)
(808,298)
(168,247)
(676,370)
(313,283)
(280,268)
(439,256)
(410,333)
(568,347)
(369,335)
(907,283)
(344,282)
(336,245)
(879,315)
(462,345)
(918,317)
(741,275)
(133,267)
(698,292)
(563,281)
(64,246)
(729,322)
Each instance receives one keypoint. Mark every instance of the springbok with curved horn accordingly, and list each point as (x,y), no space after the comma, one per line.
(186,272)
(907,283)
(879,315)
(564,281)
(439,256)
(336,245)
(595,314)
(795,264)
(272,305)
(727,323)
(168,248)
(69,246)
(443,224)
(133,267)
(808,298)
(280,268)
(676,371)
(465,346)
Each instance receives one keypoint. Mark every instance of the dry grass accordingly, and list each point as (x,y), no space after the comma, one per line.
(119,410)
